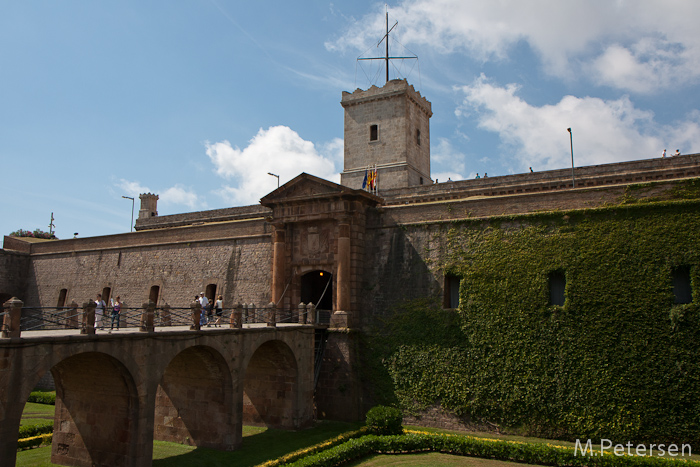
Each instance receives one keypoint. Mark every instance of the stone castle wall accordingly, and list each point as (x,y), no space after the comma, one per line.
(14,266)
(403,242)
(234,256)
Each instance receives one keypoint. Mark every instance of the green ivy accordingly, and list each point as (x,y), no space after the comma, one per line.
(618,360)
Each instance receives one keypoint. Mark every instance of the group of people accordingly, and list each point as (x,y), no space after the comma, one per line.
(101,308)
(677,153)
(207,318)
(208,309)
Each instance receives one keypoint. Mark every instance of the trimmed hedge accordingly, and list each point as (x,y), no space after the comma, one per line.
(301,453)
(385,420)
(540,454)
(34,441)
(34,430)
(40,397)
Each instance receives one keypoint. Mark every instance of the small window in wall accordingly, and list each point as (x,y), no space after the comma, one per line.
(62,298)
(421,180)
(418,137)
(210,292)
(451,298)
(106,292)
(373,133)
(682,291)
(153,294)
(557,288)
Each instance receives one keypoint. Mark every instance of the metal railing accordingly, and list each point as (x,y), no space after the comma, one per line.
(57,318)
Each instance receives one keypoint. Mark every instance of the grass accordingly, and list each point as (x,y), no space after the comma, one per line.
(259,445)
(37,413)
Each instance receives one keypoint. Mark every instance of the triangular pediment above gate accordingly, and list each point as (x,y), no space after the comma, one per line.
(305,187)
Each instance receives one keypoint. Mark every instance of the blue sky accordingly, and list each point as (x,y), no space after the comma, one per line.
(198,100)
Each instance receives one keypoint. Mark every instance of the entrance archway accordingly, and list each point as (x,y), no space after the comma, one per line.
(317,287)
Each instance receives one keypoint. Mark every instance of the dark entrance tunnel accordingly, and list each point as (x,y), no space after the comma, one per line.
(317,287)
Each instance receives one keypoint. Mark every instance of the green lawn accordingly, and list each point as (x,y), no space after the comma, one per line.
(37,413)
(259,445)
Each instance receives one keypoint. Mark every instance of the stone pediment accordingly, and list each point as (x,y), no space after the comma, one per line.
(308,187)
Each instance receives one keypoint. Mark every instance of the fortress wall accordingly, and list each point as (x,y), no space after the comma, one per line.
(14,266)
(521,203)
(404,243)
(181,262)
(642,171)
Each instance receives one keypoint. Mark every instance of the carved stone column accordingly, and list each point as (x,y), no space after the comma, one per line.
(271,315)
(147,318)
(12,318)
(88,317)
(196,308)
(237,316)
(278,263)
(340,316)
(165,315)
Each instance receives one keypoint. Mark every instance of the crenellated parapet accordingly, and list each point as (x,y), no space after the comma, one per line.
(394,88)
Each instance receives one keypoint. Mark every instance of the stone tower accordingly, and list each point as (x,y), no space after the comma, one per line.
(388,127)
(149,205)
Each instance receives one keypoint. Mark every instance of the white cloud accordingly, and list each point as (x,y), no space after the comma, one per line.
(450,161)
(443,177)
(278,150)
(603,131)
(181,196)
(636,46)
(176,195)
(133,189)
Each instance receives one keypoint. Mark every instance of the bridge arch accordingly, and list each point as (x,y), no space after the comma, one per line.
(271,387)
(194,400)
(97,411)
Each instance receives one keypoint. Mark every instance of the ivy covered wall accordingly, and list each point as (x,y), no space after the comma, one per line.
(619,360)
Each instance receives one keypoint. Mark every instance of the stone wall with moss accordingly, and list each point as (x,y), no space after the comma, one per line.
(619,360)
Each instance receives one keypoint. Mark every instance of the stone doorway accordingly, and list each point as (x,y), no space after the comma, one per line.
(317,287)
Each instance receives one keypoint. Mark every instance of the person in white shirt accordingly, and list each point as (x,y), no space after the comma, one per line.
(99,311)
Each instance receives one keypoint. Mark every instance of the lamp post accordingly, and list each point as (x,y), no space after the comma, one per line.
(278,178)
(571,139)
(132,212)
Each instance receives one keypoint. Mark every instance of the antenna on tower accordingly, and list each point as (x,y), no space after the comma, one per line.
(386,56)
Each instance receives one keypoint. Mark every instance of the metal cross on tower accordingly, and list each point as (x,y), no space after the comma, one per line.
(386,56)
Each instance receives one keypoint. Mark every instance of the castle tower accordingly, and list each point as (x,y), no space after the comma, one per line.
(149,205)
(388,127)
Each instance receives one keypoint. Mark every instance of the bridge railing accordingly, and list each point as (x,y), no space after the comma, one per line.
(16,318)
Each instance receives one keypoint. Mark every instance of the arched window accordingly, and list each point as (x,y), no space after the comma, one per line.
(682,289)
(557,288)
(451,297)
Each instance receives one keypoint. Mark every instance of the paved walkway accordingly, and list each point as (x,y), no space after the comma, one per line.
(135,330)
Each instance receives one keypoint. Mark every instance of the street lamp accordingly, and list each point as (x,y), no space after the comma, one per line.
(278,178)
(571,139)
(132,211)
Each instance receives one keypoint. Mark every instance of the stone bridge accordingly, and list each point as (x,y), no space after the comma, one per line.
(116,393)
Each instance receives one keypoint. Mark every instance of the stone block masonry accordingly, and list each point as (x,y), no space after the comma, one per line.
(116,394)
(234,259)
